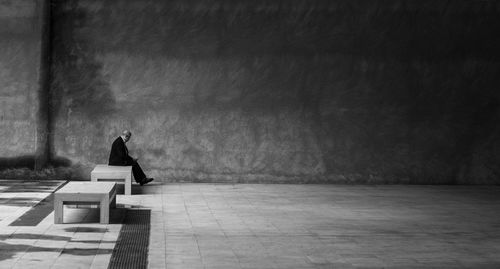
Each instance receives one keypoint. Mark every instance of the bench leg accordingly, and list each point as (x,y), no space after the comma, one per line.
(93,178)
(104,216)
(128,185)
(113,202)
(58,211)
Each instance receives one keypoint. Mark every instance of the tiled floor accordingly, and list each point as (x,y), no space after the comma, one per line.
(271,226)
(325,226)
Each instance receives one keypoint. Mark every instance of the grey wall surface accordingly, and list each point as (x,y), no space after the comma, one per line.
(19,68)
(280,91)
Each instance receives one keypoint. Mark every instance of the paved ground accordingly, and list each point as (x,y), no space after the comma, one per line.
(259,226)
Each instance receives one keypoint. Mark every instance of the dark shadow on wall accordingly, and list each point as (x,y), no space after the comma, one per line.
(28,161)
(382,95)
(77,83)
(23,167)
(77,86)
(227,28)
(426,123)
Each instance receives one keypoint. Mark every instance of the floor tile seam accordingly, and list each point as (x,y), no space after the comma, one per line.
(191,223)
(17,259)
(38,239)
(164,217)
(99,247)
(63,248)
(238,214)
(13,216)
(262,247)
(44,195)
(208,206)
(32,246)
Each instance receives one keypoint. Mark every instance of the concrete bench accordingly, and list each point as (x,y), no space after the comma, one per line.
(101,193)
(107,172)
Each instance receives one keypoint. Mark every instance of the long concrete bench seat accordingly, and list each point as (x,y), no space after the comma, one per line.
(77,193)
(111,172)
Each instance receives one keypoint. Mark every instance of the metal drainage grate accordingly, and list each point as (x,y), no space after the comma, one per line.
(131,249)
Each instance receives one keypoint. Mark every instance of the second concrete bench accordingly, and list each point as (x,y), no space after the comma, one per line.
(112,172)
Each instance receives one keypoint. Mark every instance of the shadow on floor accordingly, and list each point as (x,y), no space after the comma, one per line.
(34,237)
(120,188)
(40,210)
(8,251)
(19,201)
(130,251)
(86,230)
(28,236)
(9,186)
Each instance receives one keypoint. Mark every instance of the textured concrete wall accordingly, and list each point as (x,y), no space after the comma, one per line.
(19,67)
(282,91)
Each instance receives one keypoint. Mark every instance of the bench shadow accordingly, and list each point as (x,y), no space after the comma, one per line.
(120,187)
(151,188)
(86,230)
(138,189)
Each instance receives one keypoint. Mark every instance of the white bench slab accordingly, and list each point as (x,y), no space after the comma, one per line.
(101,193)
(118,173)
